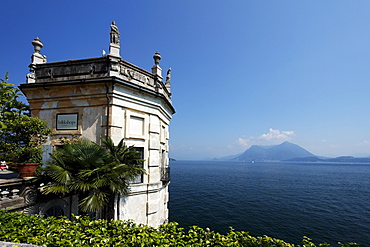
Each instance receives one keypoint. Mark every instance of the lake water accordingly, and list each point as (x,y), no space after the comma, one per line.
(324,201)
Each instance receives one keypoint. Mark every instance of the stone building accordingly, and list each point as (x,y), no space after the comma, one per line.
(108,97)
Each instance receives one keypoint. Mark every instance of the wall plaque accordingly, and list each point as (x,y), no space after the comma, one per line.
(67,121)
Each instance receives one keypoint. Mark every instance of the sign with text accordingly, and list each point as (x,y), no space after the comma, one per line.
(67,121)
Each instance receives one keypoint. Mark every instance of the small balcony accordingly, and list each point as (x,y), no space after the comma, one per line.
(165,178)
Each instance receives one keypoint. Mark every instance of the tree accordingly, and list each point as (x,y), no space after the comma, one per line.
(9,105)
(128,163)
(21,135)
(94,173)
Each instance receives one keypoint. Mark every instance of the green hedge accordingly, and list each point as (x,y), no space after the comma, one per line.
(51,231)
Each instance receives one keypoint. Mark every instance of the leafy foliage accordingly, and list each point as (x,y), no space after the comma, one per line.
(9,105)
(94,173)
(21,135)
(21,140)
(51,231)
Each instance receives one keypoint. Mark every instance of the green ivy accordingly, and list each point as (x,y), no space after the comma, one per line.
(51,231)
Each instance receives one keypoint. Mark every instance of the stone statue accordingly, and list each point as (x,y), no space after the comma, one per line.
(114,33)
(168,77)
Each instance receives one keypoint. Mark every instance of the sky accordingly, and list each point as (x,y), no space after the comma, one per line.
(243,72)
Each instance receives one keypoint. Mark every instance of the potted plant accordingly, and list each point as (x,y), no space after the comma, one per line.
(22,144)
(32,157)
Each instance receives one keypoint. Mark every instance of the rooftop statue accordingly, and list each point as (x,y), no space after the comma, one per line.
(114,33)
(168,77)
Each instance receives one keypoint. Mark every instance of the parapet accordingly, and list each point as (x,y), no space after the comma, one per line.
(108,67)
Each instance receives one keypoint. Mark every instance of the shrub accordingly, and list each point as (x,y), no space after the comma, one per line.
(51,231)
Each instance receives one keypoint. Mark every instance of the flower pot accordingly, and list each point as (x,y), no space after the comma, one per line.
(27,169)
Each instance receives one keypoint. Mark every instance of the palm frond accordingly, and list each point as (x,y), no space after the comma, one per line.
(119,187)
(59,174)
(55,189)
(85,174)
(94,202)
(103,181)
(83,186)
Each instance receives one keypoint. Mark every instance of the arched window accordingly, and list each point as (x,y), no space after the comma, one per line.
(54,211)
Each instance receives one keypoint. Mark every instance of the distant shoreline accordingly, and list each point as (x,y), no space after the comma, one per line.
(328,161)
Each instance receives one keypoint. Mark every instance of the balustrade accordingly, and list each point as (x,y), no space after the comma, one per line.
(165,178)
(10,194)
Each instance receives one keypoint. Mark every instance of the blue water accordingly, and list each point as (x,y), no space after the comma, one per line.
(324,201)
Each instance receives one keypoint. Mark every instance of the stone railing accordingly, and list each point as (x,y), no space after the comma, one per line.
(11,194)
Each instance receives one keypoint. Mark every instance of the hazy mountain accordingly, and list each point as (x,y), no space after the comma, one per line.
(349,159)
(341,159)
(229,157)
(284,151)
(290,152)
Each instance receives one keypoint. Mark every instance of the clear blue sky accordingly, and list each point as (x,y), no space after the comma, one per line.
(243,72)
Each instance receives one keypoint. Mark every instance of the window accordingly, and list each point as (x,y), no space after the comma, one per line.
(55,211)
(136,125)
(140,178)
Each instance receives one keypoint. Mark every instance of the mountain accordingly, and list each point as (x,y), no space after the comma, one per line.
(349,159)
(284,151)
(229,157)
(341,159)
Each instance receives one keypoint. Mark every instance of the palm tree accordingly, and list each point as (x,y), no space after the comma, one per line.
(115,176)
(94,173)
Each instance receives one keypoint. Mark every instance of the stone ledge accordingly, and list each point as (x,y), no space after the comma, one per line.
(12,204)
(9,244)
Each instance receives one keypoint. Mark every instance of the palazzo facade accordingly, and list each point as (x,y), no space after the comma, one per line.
(108,97)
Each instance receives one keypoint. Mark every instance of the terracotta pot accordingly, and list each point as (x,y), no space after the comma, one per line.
(27,169)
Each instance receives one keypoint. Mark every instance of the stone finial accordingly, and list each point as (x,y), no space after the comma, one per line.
(36,58)
(156,70)
(157,57)
(37,45)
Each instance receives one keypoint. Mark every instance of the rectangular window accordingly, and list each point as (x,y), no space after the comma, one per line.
(139,179)
(136,126)
(163,134)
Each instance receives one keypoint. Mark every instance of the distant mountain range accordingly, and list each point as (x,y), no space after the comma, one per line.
(287,151)
(342,159)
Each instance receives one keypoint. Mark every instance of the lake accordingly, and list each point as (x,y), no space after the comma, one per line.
(325,201)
